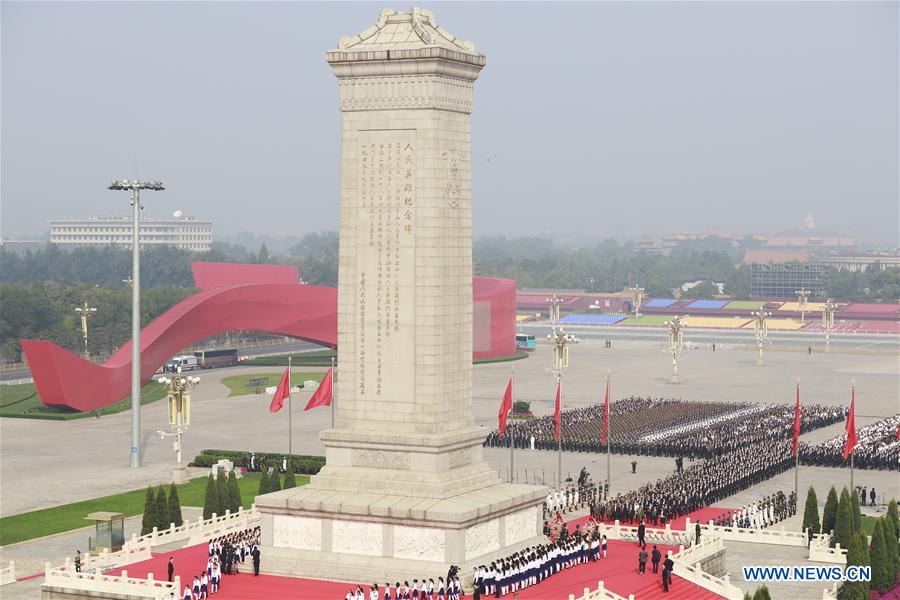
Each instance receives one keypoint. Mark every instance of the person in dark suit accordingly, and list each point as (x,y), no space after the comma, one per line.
(697,533)
(668,565)
(655,557)
(872,496)
(255,554)
(642,561)
(171,568)
(642,531)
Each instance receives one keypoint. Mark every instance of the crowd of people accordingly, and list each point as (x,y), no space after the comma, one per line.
(877,447)
(226,555)
(761,513)
(425,590)
(699,485)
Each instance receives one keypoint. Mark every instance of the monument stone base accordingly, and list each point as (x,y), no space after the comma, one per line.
(357,537)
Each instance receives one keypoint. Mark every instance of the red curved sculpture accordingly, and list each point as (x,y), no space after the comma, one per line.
(268,300)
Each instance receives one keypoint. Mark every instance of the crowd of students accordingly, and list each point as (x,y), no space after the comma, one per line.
(427,590)
(760,514)
(877,447)
(226,554)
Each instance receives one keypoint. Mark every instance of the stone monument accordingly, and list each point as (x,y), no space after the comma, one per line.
(405,492)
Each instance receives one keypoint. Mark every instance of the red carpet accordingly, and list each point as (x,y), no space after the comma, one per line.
(618,572)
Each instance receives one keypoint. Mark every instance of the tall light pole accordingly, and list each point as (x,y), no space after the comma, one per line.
(761,329)
(135,186)
(560,340)
(85,312)
(828,310)
(802,295)
(179,392)
(637,297)
(553,312)
(676,343)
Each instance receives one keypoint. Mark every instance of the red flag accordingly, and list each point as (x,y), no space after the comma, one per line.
(797,420)
(283,391)
(850,444)
(605,414)
(322,395)
(556,413)
(505,407)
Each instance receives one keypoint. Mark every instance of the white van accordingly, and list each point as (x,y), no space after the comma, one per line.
(187,363)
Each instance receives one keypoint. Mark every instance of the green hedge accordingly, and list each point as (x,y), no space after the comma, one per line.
(307,465)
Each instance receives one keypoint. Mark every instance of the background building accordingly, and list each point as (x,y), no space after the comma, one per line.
(782,280)
(180,231)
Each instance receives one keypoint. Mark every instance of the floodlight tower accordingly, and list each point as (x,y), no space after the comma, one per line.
(761,329)
(637,297)
(561,341)
(828,310)
(179,392)
(85,312)
(676,343)
(135,185)
(802,295)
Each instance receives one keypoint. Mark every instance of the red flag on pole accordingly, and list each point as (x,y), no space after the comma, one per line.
(322,395)
(605,414)
(851,427)
(797,419)
(556,412)
(505,407)
(282,392)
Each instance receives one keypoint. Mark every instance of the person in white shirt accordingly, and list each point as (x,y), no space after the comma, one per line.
(188,595)
(373,591)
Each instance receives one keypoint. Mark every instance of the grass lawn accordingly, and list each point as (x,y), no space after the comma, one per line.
(48,521)
(519,355)
(22,401)
(743,305)
(322,358)
(646,320)
(256,383)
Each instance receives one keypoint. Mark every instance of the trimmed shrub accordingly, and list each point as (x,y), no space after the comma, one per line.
(855,512)
(234,493)
(843,521)
(520,406)
(162,509)
(304,465)
(175,507)
(263,481)
(883,575)
(811,512)
(762,593)
(858,555)
(211,499)
(222,493)
(274,482)
(830,512)
(289,480)
(150,519)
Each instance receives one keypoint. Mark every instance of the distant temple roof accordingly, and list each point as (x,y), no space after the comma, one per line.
(765,257)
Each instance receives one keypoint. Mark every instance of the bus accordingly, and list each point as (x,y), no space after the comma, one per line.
(210,359)
(525,342)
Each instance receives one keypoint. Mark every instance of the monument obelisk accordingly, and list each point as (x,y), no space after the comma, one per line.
(405,492)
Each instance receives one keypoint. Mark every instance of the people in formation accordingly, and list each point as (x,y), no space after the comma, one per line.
(668,427)
(759,514)
(426,589)
(877,447)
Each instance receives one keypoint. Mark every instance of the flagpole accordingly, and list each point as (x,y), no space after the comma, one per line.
(853,408)
(332,392)
(290,411)
(512,372)
(797,453)
(606,416)
(559,439)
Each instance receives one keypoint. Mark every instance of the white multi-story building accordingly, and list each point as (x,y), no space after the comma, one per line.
(181,231)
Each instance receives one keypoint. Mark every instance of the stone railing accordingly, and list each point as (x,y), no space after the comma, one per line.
(131,552)
(8,573)
(68,579)
(601,593)
(820,550)
(666,536)
(778,536)
(830,594)
(695,574)
(200,530)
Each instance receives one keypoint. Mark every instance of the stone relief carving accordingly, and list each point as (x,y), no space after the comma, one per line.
(353,537)
(482,538)
(410,91)
(521,525)
(460,457)
(379,459)
(421,543)
(297,532)
(452,189)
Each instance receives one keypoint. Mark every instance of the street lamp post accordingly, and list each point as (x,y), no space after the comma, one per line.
(85,312)
(676,343)
(179,392)
(828,310)
(761,329)
(135,186)
(802,295)
(637,297)
(553,312)
(560,340)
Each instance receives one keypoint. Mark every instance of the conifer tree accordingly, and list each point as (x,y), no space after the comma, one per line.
(289,480)
(222,493)
(162,509)
(234,493)
(892,515)
(263,481)
(883,573)
(830,511)
(211,499)
(811,512)
(175,507)
(762,593)
(274,482)
(890,540)
(150,517)
(857,555)
(855,511)
(843,521)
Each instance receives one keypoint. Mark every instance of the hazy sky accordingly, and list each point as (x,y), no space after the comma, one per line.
(620,118)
